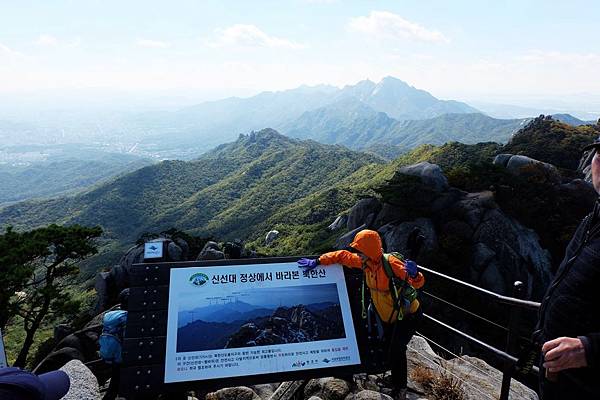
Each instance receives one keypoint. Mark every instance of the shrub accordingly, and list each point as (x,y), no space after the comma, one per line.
(438,385)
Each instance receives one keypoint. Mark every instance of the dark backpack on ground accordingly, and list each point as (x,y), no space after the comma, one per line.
(113,327)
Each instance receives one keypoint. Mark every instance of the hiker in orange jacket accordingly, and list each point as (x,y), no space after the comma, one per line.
(369,258)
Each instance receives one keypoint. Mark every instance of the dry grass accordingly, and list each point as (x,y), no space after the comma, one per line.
(438,386)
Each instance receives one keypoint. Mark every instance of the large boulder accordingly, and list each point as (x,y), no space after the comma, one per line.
(175,253)
(233,393)
(184,247)
(483,381)
(518,255)
(211,251)
(389,214)
(84,385)
(430,174)
(371,395)
(327,388)
(395,237)
(520,165)
(265,391)
(61,331)
(103,285)
(474,378)
(57,359)
(134,255)
(338,223)
(472,207)
(271,236)
(585,165)
(344,241)
(363,213)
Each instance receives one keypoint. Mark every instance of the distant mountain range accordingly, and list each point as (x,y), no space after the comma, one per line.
(367,115)
(354,124)
(209,124)
(571,120)
(234,311)
(296,324)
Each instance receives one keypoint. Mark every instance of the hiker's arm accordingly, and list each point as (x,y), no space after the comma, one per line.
(400,271)
(591,343)
(343,257)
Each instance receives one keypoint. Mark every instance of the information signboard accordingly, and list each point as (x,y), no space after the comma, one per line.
(3,362)
(253,319)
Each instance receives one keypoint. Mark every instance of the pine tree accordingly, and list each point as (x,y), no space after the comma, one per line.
(40,266)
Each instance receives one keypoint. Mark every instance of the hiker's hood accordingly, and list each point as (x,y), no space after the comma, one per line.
(368,242)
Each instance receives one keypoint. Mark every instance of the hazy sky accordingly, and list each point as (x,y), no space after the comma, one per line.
(273,297)
(454,49)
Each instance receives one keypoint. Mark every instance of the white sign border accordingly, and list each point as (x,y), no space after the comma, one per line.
(335,274)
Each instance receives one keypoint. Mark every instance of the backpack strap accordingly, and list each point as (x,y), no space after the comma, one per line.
(362,295)
(395,291)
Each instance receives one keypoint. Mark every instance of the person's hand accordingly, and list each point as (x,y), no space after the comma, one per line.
(563,353)
(307,263)
(411,268)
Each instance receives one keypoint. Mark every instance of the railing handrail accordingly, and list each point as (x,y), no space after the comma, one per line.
(532,305)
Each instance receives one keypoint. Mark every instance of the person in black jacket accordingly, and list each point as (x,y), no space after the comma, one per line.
(569,321)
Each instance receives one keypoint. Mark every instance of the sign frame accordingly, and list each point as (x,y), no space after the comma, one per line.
(144,344)
(3,359)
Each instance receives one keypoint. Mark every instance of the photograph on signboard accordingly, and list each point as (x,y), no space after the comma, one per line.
(252,319)
(261,317)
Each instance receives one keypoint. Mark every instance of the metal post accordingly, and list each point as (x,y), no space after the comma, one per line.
(511,340)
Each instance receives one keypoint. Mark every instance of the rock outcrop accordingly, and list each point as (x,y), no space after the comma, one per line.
(271,236)
(211,251)
(431,175)
(468,228)
(84,385)
(290,325)
(527,167)
(471,377)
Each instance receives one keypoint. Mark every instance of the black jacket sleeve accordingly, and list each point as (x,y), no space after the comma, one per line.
(591,343)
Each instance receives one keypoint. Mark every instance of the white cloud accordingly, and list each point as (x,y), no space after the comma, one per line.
(8,52)
(554,57)
(250,36)
(47,40)
(389,25)
(156,44)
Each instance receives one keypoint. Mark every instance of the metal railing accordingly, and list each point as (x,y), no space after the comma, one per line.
(517,305)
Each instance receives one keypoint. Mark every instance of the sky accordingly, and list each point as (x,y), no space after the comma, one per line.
(488,50)
(273,297)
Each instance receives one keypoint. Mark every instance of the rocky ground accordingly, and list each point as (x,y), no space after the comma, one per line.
(430,378)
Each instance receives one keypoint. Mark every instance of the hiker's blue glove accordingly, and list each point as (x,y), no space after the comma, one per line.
(411,268)
(307,263)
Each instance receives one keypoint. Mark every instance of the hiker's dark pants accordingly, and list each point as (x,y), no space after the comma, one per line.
(396,337)
(115,381)
(574,384)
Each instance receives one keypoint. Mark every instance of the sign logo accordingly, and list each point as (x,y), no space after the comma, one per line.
(198,279)
(153,250)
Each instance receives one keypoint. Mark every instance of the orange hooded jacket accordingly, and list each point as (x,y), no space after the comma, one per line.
(368,243)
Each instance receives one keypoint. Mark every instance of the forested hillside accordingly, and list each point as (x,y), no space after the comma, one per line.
(354,124)
(33,171)
(229,192)
(266,181)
